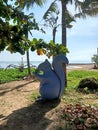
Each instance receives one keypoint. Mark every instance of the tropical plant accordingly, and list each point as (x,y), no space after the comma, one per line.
(49,49)
(51,18)
(53,9)
(13,24)
(30,3)
(86,8)
(9,33)
(95,60)
(52,22)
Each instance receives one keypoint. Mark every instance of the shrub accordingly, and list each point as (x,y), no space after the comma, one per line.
(89,83)
(95,59)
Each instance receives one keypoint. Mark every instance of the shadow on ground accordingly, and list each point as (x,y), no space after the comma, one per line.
(4,90)
(29,118)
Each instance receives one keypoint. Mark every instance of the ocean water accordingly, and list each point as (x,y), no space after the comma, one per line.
(5,64)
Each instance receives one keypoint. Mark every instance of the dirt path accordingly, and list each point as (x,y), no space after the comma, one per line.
(17,112)
(13,95)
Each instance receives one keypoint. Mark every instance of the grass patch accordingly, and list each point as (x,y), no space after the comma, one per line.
(75,76)
(74,97)
(12,75)
(34,96)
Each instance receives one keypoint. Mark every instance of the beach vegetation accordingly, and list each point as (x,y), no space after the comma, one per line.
(13,74)
(90,84)
(49,49)
(75,76)
(95,60)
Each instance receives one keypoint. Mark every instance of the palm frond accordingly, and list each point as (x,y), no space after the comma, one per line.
(69,1)
(30,3)
(87,7)
(53,8)
(69,19)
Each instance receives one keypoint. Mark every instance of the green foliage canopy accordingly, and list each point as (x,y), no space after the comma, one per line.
(14,24)
(95,60)
(49,49)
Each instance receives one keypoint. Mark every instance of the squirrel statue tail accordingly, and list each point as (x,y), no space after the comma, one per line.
(58,69)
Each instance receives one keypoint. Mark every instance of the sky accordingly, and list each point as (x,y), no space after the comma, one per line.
(82,39)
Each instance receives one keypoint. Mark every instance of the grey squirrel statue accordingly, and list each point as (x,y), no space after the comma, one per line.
(52,80)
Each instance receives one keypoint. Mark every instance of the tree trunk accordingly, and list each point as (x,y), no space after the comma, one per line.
(27,54)
(28,63)
(63,4)
(54,34)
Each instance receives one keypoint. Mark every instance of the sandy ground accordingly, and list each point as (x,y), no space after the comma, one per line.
(80,67)
(17,112)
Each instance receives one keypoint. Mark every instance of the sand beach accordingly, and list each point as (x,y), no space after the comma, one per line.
(88,66)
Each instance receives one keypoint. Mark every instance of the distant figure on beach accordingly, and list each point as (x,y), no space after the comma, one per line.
(52,80)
